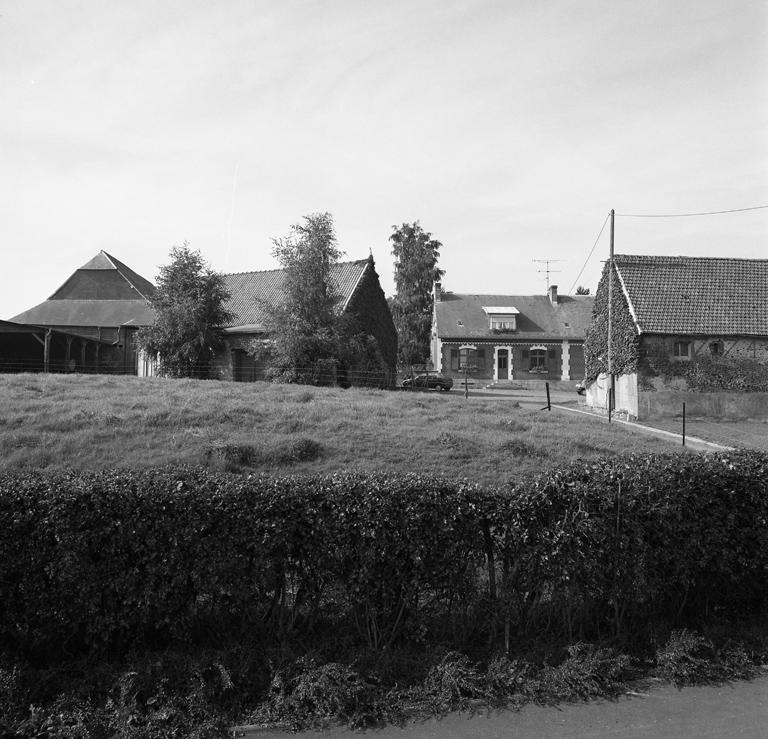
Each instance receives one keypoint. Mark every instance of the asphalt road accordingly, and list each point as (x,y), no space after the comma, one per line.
(737,709)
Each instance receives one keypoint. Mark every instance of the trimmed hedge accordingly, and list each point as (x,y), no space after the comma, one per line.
(98,563)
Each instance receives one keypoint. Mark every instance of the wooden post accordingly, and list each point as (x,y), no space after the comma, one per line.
(549,405)
(47,352)
(683,424)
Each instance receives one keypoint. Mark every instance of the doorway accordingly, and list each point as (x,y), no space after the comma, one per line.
(502,364)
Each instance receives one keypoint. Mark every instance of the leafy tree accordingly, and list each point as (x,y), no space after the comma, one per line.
(304,343)
(416,254)
(581,290)
(189,315)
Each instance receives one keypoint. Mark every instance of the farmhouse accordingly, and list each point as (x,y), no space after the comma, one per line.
(88,325)
(680,325)
(510,337)
(361,300)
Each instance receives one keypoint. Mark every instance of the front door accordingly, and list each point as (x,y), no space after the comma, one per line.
(502,364)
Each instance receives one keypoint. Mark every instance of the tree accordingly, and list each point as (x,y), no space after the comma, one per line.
(189,315)
(581,290)
(304,344)
(416,254)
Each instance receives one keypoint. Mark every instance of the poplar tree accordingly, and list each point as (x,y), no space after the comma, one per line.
(416,254)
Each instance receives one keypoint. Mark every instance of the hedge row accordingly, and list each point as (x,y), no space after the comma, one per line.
(106,561)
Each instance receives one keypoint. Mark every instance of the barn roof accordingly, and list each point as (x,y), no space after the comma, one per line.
(460,316)
(250,293)
(696,295)
(103,292)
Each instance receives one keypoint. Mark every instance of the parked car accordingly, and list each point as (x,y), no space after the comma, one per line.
(429,382)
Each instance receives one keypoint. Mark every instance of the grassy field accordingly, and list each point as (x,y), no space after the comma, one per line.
(744,433)
(95,421)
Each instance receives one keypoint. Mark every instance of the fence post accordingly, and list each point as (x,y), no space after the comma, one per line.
(549,405)
(683,423)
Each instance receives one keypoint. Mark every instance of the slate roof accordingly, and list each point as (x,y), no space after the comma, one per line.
(250,291)
(103,292)
(696,295)
(538,318)
(105,313)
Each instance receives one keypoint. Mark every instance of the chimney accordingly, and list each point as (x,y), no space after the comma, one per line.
(553,294)
(437,292)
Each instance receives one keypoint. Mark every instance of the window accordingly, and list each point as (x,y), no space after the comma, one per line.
(682,350)
(716,348)
(454,360)
(480,359)
(503,323)
(538,360)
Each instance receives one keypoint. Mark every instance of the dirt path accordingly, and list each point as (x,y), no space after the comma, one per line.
(734,710)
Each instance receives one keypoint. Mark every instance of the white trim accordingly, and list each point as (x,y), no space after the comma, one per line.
(626,297)
(566,363)
(510,368)
(357,282)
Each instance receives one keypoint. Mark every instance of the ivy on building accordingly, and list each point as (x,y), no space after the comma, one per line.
(707,374)
(625,340)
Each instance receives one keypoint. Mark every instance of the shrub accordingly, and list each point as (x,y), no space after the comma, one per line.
(451,682)
(103,561)
(587,672)
(688,658)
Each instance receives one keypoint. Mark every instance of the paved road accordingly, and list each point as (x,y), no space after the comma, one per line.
(735,710)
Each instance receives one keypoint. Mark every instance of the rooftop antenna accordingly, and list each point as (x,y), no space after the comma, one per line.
(546,269)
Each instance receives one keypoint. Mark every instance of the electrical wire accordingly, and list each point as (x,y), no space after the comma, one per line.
(589,256)
(688,215)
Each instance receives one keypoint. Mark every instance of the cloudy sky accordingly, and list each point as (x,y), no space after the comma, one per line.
(508,128)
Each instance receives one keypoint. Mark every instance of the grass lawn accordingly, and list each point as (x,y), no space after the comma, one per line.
(752,434)
(97,421)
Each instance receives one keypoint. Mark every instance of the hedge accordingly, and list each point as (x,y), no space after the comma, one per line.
(102,562)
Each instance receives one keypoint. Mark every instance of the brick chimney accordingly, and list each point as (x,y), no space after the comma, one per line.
(437,292)
(553,294)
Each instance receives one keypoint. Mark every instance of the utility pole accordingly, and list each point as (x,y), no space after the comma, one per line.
(610,326)
(547,262)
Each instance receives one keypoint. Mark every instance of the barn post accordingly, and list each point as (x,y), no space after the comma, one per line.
(47,352)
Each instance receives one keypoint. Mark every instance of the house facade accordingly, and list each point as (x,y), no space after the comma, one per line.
(680,325)
(361,301)
(90,323)
(499,338)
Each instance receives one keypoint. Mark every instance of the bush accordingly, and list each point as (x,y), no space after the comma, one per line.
(101,561)
(688,658)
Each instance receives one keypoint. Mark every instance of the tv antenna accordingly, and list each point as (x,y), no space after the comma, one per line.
(546,269)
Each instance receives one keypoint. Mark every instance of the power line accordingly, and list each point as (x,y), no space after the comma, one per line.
(688,215)
(591,251)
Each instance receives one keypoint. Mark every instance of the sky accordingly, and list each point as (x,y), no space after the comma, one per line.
(508,129)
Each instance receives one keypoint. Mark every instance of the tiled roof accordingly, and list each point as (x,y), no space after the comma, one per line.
(106,313)
(103,292)
(250,291)
(103,262)
(696,295)
(463,316)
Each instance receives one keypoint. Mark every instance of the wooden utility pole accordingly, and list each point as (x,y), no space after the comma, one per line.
(610,326)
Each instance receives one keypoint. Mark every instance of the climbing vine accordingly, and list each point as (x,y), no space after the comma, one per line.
(625,341)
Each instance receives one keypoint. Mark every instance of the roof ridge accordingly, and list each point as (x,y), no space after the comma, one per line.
(282,269)
(680,257)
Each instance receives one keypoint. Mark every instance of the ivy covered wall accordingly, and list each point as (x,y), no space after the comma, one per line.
(368,315)
(624,337)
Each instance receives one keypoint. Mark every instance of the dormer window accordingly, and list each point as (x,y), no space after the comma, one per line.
(501,318)
(503,323)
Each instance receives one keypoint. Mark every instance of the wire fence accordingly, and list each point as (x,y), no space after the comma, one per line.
(328,374)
